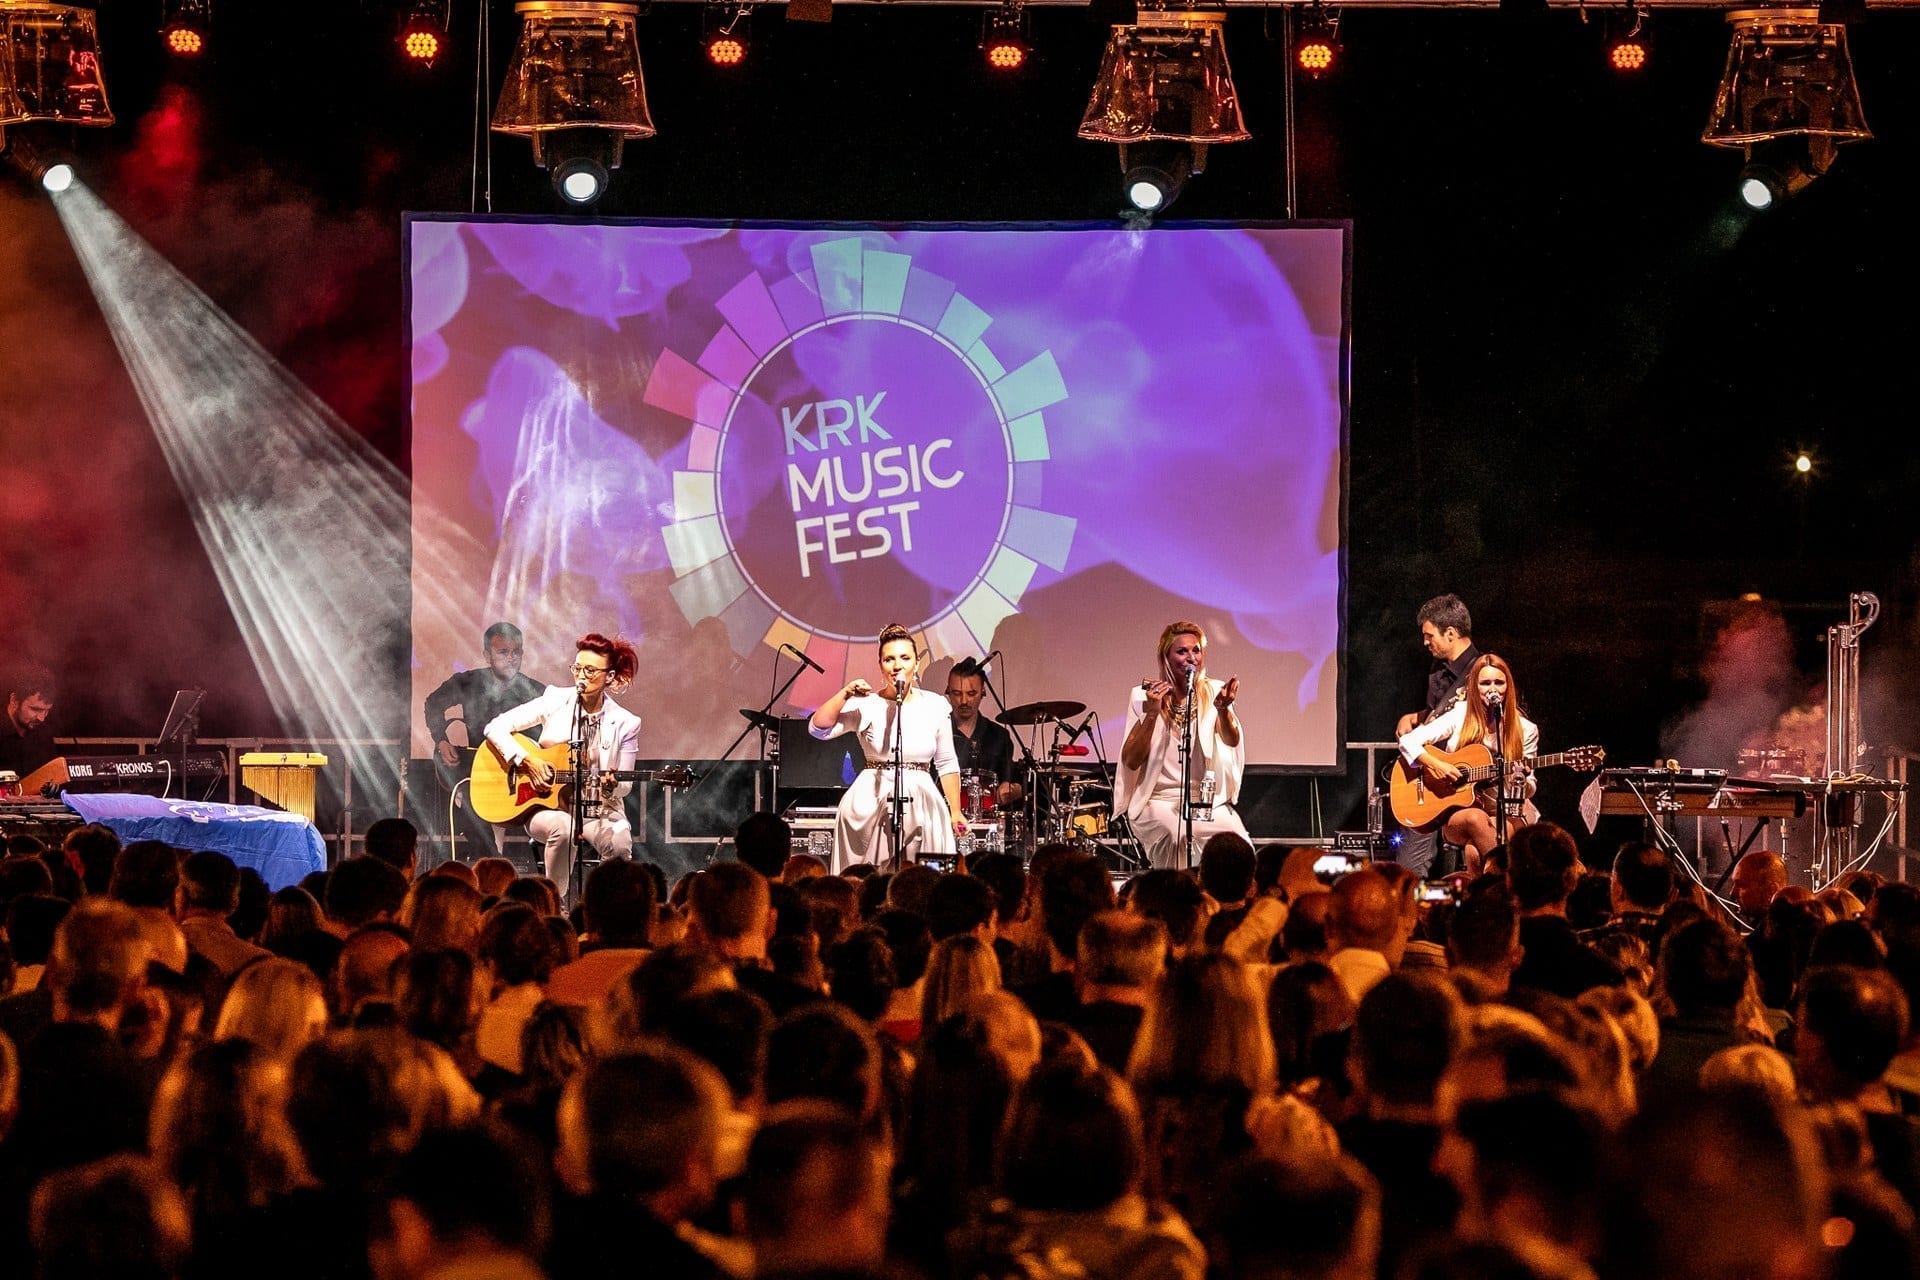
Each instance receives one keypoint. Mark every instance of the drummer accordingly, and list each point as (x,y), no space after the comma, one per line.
(981,744)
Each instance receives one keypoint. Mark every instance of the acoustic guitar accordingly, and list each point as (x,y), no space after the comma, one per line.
(1421,801)
(500,794)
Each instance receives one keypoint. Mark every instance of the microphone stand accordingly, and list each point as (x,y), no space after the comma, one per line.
(1186,772)
(898,805)
(577,803)
(1029,803)
(1496,712)
(766,713)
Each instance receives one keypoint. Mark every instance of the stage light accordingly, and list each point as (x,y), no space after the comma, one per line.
(1153,175)
(186,27)
(50,65)
(305,525)
(580,180)
(1782,168)
(1318,48)
(1787,75)
(57,178)
(574,87)
(423,36)
(724,33)
(51,172)
(1003,41)
(1165,78)
(1803,463)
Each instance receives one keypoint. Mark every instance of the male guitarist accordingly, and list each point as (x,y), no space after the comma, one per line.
(1446,629)
(612,737)
(472,698)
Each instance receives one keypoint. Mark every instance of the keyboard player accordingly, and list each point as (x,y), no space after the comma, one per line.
(25,743)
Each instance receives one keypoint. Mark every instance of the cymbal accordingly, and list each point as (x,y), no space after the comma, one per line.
(1065,767)
(1040,712)
(761,720)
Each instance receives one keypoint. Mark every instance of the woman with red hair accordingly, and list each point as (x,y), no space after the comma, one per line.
(612,735)
(1491,699)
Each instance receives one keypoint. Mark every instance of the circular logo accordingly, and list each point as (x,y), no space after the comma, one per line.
(857,447)
(863,460)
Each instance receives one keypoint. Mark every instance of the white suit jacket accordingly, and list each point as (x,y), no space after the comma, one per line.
(618,745)
(1132,788)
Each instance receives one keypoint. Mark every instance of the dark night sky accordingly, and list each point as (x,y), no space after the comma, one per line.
(1579,371)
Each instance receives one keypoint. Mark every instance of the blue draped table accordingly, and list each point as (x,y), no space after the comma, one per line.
(283,847)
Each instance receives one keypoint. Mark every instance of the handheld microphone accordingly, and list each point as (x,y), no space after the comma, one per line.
(801,654)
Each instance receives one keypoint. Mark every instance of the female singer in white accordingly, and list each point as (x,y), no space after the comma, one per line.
(1148,787)
(932,814)
(1489,684)
(613,744)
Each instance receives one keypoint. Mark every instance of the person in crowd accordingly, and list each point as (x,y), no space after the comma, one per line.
(1542,868)
(1227,867)
(1851,1023)
(493,875)
(292,914)
(1176,901)
(764,842)
(618,908)
(1703,975)
(396,842)
(362,890)
(443,912)
(815,1193)
(639,1158)
(119,1218)
(1526,1167)
(1756,881)
(1310,1017)
(1072,1177)
(959,969)
(1405,1034)
(911,944)
(518,955)
(1120,959)
(209,892)
(1483,941)
(471,1201)
(1331,1206)
(1369,922)
(964,905)
(1074,888)
(275,1004)
(362,984)
(919,724)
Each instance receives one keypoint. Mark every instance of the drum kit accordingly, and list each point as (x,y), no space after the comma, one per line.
(1068,795)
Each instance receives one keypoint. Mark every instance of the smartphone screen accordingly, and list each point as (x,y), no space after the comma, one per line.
(1329,867)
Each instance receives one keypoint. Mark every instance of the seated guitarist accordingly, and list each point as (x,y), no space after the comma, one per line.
(612,735)
(1491,704)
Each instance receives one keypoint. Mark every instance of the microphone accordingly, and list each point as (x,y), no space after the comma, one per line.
(986,664)
(800,654)
(1081,732)
(1494,700)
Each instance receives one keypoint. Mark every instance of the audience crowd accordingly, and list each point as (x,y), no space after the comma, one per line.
(1010,1072)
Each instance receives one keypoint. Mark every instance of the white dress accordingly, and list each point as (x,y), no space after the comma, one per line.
(862,833)
(1149,797)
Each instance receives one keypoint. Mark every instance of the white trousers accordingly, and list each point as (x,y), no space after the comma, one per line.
(1158,830)
(611,838)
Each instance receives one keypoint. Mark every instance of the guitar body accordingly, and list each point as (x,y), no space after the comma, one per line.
(1420,801)
(499,794)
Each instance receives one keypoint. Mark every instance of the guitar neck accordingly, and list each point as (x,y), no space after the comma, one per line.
(1488,772)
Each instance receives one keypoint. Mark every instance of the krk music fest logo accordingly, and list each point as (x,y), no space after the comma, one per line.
(858,448)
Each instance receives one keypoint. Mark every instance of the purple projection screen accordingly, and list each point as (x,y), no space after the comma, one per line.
(720,439)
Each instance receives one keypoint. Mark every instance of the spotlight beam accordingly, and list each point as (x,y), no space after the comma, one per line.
(306,525)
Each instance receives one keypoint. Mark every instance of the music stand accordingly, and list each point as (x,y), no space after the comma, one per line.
(182,725)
